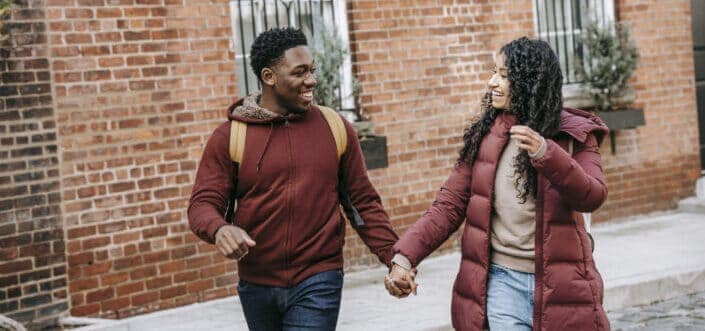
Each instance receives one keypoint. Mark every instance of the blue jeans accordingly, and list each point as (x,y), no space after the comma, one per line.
(311,305)
(510,299)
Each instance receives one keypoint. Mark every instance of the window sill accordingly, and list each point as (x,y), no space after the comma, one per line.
(574,96)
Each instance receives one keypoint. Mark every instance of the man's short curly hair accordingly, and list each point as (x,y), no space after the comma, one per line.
(269,47)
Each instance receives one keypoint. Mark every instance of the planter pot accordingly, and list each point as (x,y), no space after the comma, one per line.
(621,120)
(374,150)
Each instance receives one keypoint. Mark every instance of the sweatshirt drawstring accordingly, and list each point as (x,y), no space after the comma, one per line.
(266,144)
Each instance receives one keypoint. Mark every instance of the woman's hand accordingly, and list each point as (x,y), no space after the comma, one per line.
(528,139)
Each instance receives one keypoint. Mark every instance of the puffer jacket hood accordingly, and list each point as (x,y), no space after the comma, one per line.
(579,124)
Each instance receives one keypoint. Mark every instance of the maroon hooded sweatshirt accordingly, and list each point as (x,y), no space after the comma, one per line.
(569,289)
(287,193)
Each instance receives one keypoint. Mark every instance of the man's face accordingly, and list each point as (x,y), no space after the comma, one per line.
(294,74)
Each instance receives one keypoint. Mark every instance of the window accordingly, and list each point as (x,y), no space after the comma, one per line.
(561,22)
(251,17)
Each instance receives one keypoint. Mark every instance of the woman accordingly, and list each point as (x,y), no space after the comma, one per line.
(526,258)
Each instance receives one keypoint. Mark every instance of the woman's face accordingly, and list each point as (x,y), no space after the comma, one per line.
(499,83)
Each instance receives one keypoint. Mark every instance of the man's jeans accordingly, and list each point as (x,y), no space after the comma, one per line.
(311,305)
(510,299)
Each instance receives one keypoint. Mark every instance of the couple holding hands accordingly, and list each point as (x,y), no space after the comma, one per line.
(527,169)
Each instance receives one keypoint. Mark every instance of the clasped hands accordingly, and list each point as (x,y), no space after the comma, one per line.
(400,282)
(233,242)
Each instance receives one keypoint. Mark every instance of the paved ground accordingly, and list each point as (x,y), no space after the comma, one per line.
(683,313)
(647,259)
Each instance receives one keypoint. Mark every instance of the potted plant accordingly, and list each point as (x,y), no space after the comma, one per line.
(4,10)
(329,53)
(609,61)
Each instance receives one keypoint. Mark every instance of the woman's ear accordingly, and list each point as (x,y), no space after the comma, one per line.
(269,78)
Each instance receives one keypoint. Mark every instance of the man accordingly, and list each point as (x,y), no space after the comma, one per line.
(287,231)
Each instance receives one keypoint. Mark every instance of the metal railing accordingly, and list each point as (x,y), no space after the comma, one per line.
(251,17)
(561,23)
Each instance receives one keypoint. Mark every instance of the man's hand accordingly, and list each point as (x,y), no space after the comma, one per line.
(233,242)
(400,282)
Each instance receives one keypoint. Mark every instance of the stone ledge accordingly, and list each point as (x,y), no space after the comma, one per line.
(692,205)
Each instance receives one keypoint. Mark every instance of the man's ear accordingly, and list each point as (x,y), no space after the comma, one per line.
(269,77)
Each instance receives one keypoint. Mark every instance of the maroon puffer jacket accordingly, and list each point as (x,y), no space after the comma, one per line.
(569,289)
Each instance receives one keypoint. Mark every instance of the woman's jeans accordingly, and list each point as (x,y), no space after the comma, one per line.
(510,299)
(311,305)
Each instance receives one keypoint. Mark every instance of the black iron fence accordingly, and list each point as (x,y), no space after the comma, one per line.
(251,17)
(561,23)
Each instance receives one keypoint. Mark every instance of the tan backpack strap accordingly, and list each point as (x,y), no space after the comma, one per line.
(337,127)
(238,133)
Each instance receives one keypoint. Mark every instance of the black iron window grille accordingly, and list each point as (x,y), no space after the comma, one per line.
(251,17)
(561,22)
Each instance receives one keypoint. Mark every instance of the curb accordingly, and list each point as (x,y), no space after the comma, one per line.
(654,289)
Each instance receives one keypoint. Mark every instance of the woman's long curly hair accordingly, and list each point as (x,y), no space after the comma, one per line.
(535,82)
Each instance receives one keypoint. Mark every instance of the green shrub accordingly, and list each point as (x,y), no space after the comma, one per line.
(610,60)
(329,54)
(4,11)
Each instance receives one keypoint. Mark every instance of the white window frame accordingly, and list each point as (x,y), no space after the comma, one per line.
(336,20)
(563,28)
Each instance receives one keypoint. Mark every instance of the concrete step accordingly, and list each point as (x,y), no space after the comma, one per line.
(692,205)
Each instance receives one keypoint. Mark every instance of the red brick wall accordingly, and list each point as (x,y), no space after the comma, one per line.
(423,67)
(139,85)
(32,259)
(656,165)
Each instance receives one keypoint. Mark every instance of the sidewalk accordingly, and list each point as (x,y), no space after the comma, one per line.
(642,260)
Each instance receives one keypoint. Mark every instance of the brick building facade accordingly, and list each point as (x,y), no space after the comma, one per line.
(33,270)
(105,106)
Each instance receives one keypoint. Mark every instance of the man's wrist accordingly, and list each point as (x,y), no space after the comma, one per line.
(215,234)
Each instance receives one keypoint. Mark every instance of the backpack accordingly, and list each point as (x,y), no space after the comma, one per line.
(238,135)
